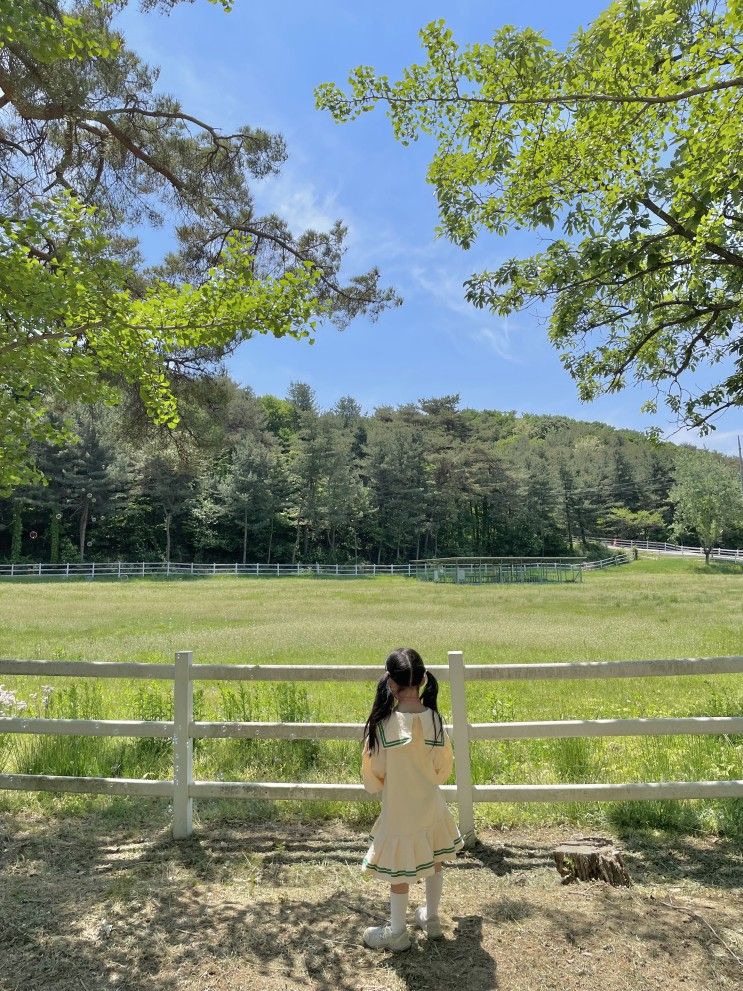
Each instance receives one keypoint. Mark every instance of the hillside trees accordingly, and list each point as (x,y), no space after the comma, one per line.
(255,489)
(263,478)
(623,151)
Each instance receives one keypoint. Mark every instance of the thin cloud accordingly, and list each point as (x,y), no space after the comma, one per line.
(299,203)
(499,339)
(445,289)
(724,441)
(448,291)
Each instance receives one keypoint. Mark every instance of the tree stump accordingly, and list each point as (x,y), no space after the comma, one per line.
(591,858)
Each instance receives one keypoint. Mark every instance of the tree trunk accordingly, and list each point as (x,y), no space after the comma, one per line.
(707,551)
(270,542)
(581,528)
(591,858)
(16,540)
(54,536)
(168,518)
(296,542)
(245,535)
(568,522)
(84,513)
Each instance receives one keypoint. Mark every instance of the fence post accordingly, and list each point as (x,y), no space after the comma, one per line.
(182,745)
(461,740)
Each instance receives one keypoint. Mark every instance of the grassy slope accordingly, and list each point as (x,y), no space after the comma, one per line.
(666,608)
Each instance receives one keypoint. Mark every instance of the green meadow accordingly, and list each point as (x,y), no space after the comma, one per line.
(649,609)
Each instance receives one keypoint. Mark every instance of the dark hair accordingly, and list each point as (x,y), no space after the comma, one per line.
(406,668)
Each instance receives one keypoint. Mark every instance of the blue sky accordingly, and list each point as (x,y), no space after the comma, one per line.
(259,65)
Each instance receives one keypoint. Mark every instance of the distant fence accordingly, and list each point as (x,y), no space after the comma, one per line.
(141,569)
(664,547)
(500,571)
(183,730)
(607,562)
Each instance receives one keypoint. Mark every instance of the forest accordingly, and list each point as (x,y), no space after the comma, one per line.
(253,478)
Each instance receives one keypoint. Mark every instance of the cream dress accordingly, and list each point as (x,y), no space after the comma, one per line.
(415,829)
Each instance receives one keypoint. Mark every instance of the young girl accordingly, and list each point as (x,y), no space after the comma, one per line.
(407,755)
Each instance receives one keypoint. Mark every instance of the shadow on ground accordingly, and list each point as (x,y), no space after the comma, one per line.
(87,908)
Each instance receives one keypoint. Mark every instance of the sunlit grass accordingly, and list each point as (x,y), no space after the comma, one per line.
(649,609)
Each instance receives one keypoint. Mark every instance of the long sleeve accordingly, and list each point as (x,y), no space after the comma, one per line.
(443,760)
(374,769)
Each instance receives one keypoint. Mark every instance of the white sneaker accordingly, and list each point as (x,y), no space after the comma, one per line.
(431,927)
(382,938)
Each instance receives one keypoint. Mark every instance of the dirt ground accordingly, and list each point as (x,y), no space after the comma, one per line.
(84,908)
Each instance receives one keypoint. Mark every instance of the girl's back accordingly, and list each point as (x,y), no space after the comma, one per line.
(407,755)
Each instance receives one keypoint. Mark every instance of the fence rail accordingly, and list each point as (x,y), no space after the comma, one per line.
(544,570)
(140,569)
(412,569)
(183,730)
(665,547)
(607,562)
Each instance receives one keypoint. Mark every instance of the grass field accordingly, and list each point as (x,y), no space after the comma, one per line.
(649,609)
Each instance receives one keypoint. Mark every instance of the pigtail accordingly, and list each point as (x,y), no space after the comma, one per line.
(384,703)
(429,698)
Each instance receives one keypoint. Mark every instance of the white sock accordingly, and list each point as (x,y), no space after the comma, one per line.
(434,884)
(398,910)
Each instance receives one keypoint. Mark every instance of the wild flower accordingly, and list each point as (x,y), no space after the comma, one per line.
(8,701)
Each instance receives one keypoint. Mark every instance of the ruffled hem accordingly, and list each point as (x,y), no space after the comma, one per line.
(411,858)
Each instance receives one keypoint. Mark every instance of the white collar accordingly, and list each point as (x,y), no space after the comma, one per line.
(397,729)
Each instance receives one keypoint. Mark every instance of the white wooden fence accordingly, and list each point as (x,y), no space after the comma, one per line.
(665,547)
(607,562)
(141,569)
(183,730)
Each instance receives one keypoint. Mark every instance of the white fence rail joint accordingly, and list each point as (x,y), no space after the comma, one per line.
(183,730)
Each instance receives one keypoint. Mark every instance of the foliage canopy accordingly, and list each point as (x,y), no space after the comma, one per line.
(707,502)
(90,151)
(627,144)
